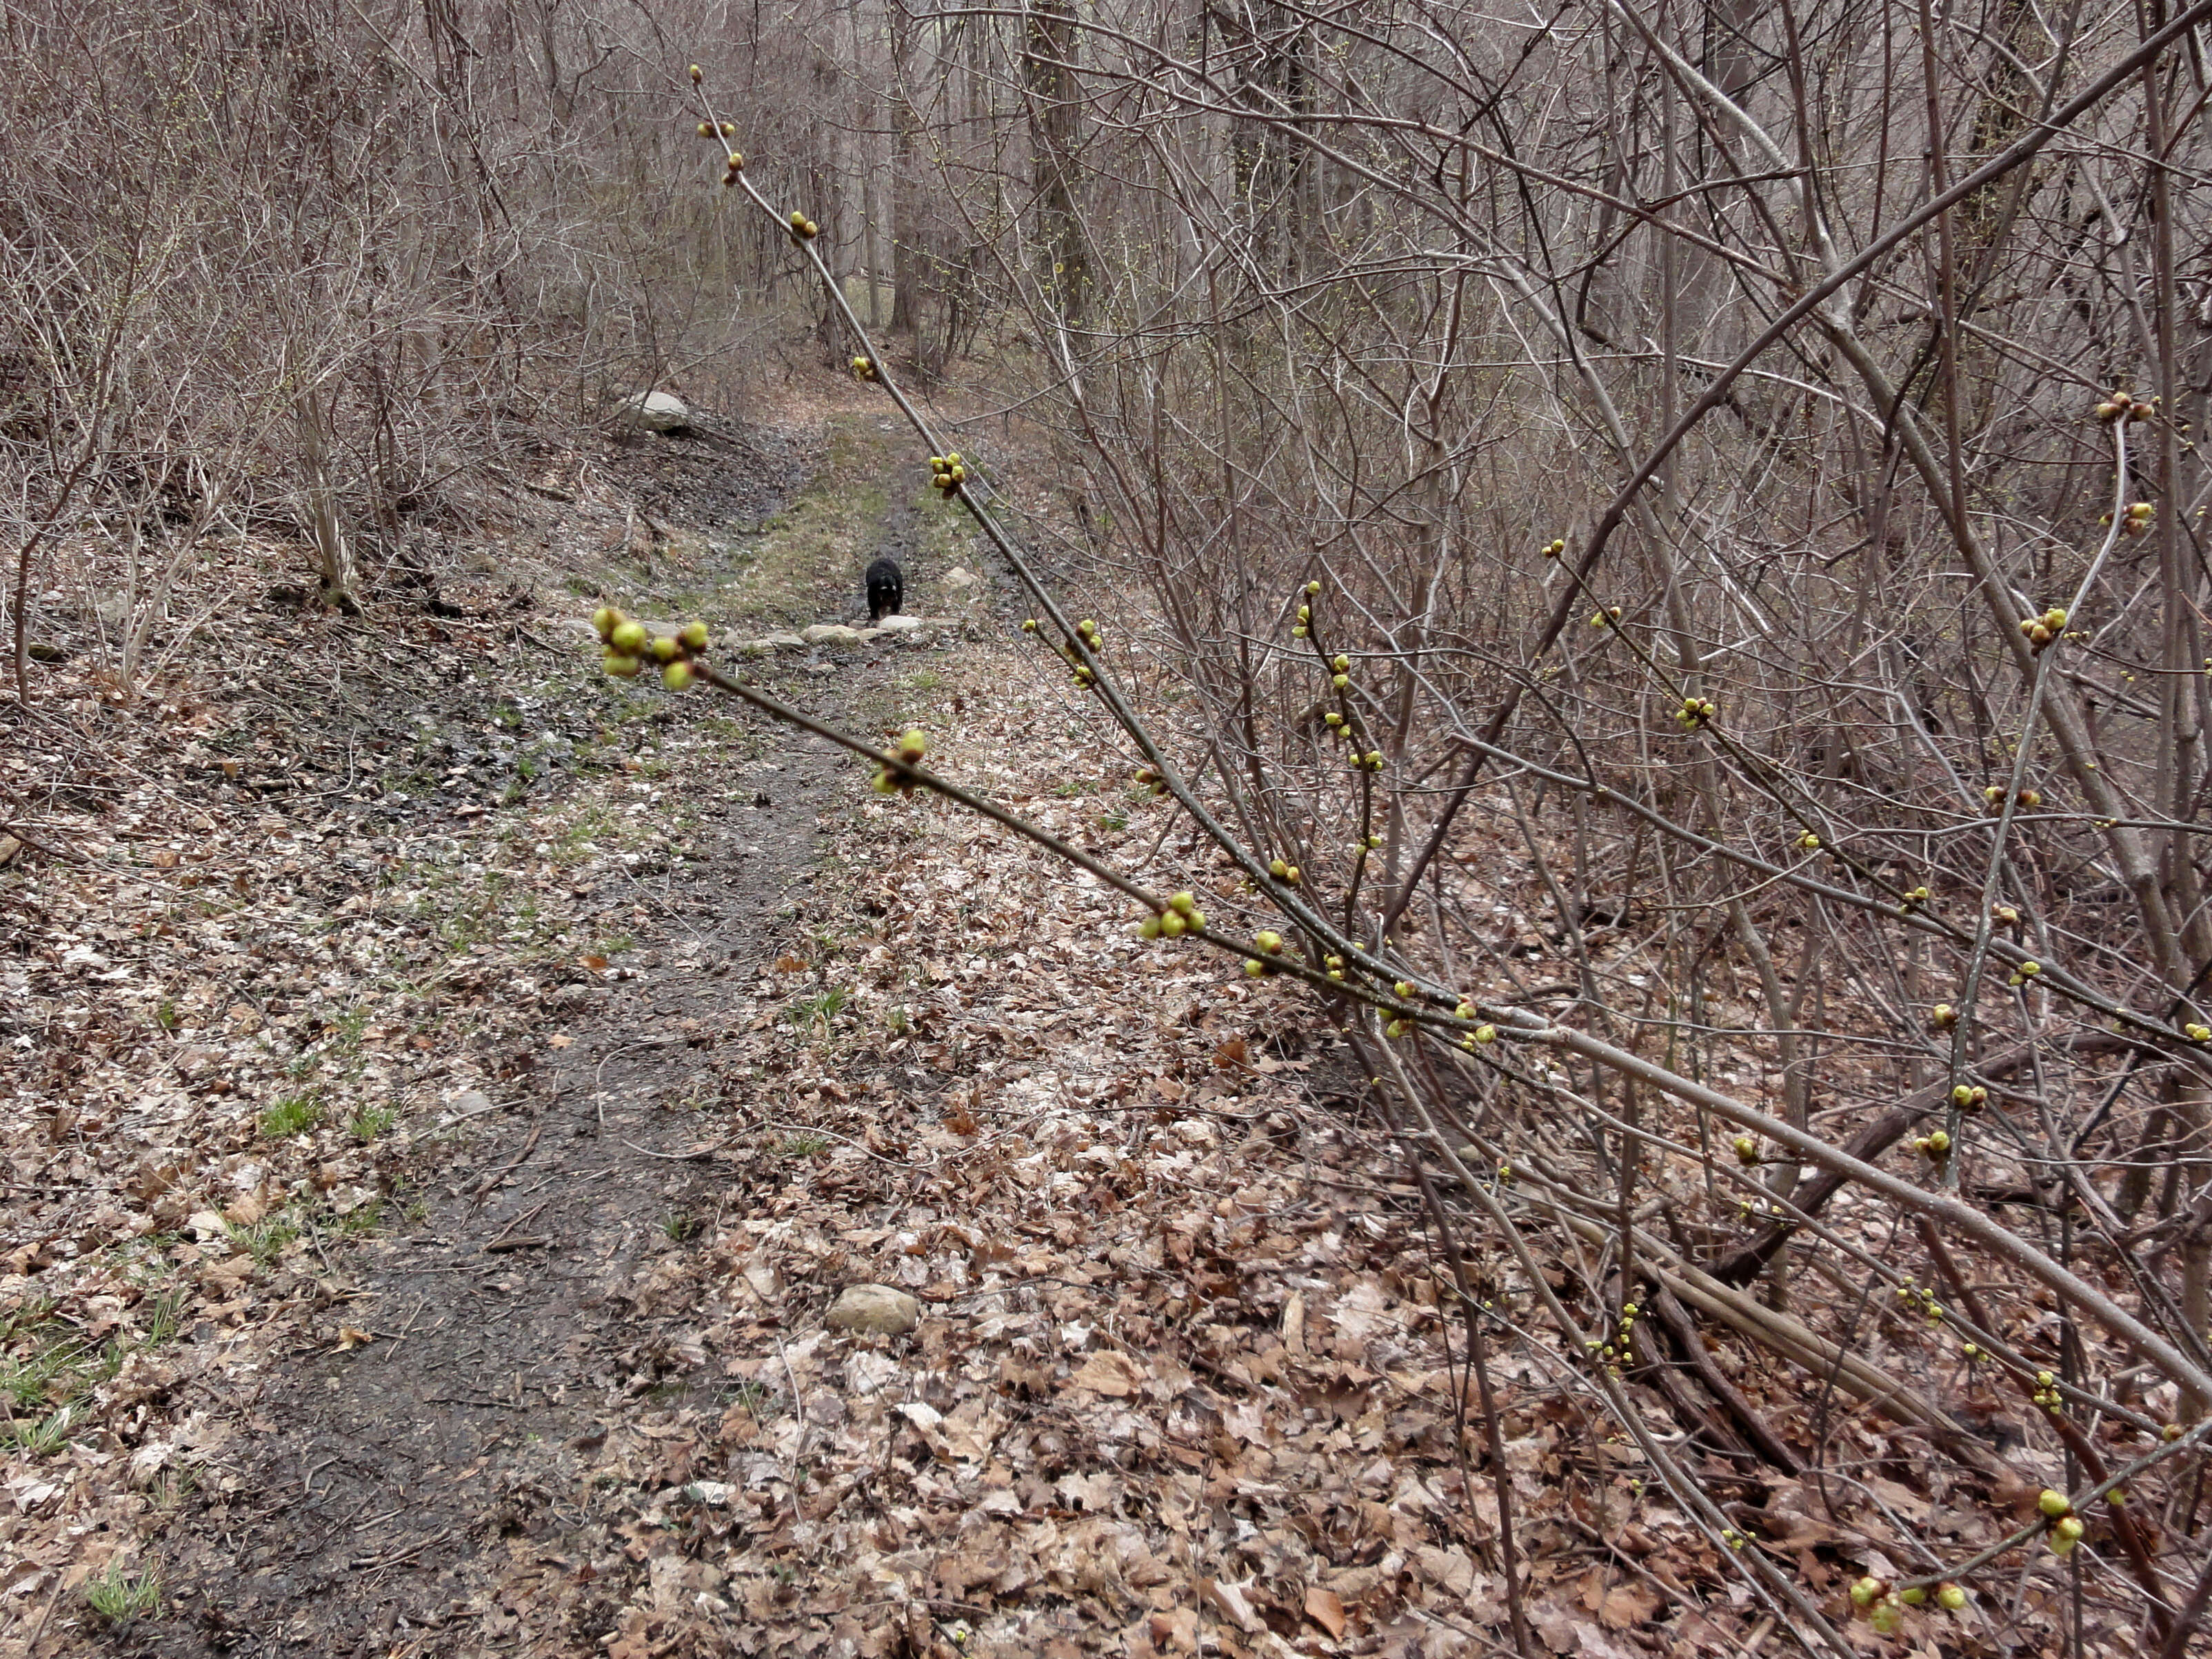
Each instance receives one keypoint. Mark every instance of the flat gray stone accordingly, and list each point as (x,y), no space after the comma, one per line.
(874,1308)
(653,412)
(764,645)
(831,634)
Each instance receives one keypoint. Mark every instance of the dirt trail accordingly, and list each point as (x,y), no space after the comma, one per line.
(386,1490)
(384,1478)
(662,1032)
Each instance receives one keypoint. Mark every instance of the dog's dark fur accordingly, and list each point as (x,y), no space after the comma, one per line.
(886,590)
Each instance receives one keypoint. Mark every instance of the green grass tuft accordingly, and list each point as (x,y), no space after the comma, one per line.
(292,1116)
(122,1597)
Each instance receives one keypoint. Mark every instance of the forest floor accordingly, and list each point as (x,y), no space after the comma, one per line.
(445,1091)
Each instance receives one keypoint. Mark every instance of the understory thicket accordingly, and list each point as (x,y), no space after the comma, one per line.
(1660,544)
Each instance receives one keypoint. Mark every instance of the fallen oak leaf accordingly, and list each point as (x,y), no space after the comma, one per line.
(1326,1608)
(1110,1373)
(1627,1607)
(1231,1603)
(350,1337)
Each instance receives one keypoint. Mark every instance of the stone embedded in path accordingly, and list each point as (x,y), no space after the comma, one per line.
(763,645)
(653,412)
(843,636)
(957,578)
(876,1308)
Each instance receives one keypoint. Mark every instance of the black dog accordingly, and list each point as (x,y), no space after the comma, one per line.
(886,590)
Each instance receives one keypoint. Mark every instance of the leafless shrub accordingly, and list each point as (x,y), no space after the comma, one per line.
(1610,483)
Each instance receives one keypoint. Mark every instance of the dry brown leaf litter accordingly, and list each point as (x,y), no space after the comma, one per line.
(1180,1385)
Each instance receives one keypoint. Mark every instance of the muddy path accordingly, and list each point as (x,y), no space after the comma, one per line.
(387,1481)
(428,1451)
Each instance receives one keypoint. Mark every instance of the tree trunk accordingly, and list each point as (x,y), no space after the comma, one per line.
(333,553)
(906,208)
(1048,48)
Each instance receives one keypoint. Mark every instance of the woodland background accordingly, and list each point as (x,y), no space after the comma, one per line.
(1736,463)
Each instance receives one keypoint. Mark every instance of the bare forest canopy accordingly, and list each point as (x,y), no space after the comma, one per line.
(1723,474)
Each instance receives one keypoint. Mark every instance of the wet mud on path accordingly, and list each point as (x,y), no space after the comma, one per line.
(424,1468)
(389,1482)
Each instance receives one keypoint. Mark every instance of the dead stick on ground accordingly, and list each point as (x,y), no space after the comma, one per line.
(1679,1326)
(492,1180)
(529,1214)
